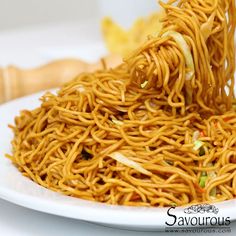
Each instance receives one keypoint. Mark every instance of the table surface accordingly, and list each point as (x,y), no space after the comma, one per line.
(39,45)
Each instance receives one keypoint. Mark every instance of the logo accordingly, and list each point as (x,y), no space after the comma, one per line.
(196,218)
(204,208)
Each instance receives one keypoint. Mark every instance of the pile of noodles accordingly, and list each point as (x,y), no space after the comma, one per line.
(158,130)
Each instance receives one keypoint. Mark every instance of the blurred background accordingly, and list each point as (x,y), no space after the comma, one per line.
(23,13)
(67,33)
(34,32)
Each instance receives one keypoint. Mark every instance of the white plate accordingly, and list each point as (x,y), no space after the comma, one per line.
(20,190)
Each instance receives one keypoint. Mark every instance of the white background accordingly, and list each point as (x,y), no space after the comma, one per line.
(23,13)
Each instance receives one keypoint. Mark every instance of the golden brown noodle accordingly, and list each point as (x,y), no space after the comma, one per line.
(154,110)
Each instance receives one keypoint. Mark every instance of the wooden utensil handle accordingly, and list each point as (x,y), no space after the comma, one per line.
(16,82)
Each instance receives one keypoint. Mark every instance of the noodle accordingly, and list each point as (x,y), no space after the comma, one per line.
(158,130)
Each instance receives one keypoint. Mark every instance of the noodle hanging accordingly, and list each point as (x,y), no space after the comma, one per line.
(158,130)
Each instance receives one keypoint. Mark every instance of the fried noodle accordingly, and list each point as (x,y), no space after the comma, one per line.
(158,130)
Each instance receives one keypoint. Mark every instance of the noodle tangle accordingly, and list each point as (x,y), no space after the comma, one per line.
(158,130)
